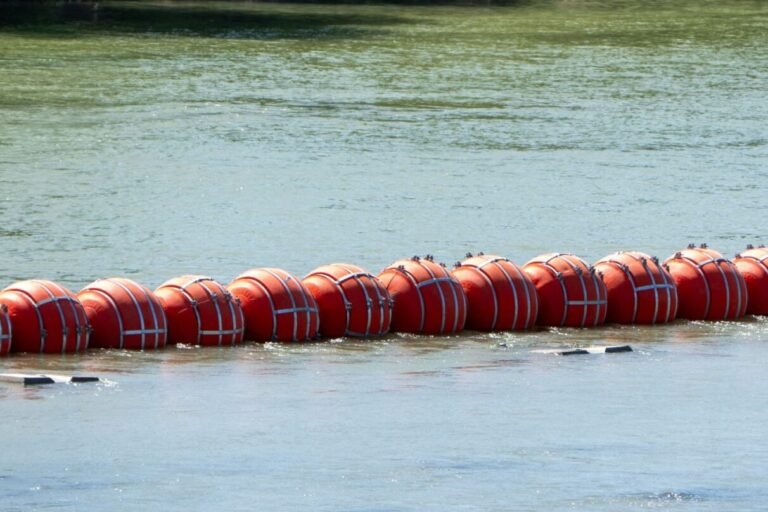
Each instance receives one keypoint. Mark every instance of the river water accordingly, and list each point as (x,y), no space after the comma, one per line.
(172,138)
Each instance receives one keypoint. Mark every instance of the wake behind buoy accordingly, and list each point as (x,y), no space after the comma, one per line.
(500,296)
(427,298)
(124,315)
(708,285)
(276,306)
(571,293)
(5,331)
(201,311)
(45,317)
(351,301)
(752,264)
(640,291)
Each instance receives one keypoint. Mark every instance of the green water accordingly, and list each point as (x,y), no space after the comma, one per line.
(366,133)
(168,138)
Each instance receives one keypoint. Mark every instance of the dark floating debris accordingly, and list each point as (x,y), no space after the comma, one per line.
(37,379)
(587,350)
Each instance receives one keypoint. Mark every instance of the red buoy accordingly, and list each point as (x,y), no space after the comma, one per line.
(351,301)
(571,293)
(427,299)
(500,296)
(200,311)
(640,291)
(124,314)
(752,264)
(5,331)
(276,306)
(708,285)
(46,317)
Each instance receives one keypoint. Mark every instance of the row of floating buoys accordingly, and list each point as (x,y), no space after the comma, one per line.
(416,295)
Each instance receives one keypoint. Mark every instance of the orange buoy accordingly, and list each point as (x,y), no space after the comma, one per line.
(500,296)
(708,285)
(46,317)
(351,301)
(640,291)
(5,330)
(276,306)
(571,293)
(124,314)
(427,299)
(200,311)
(752,264)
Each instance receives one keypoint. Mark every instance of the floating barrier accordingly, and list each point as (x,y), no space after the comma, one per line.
(427,298)
(123,314)
(417,295)
(45,317)
(5,331)
(752,264)
(500,296)
(351,301)
(708,285)
(571,293)
(640,290)
(277,307)
(201,311)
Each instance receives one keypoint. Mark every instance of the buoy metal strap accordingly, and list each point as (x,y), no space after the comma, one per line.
(358,277)
(156,316)
(579,271)
(415,284)
(195,309)
(268,295)
(115,310)
(528,301)
(625,269)
(695,264)
(219,320)
(436,281)
(487,279)
(732,272)
(668,287)
(294,309)
(600,301)
(143,330)
(559,276)
(57,302)
(524,280)
(5,335)
(237,319)
(40,323)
